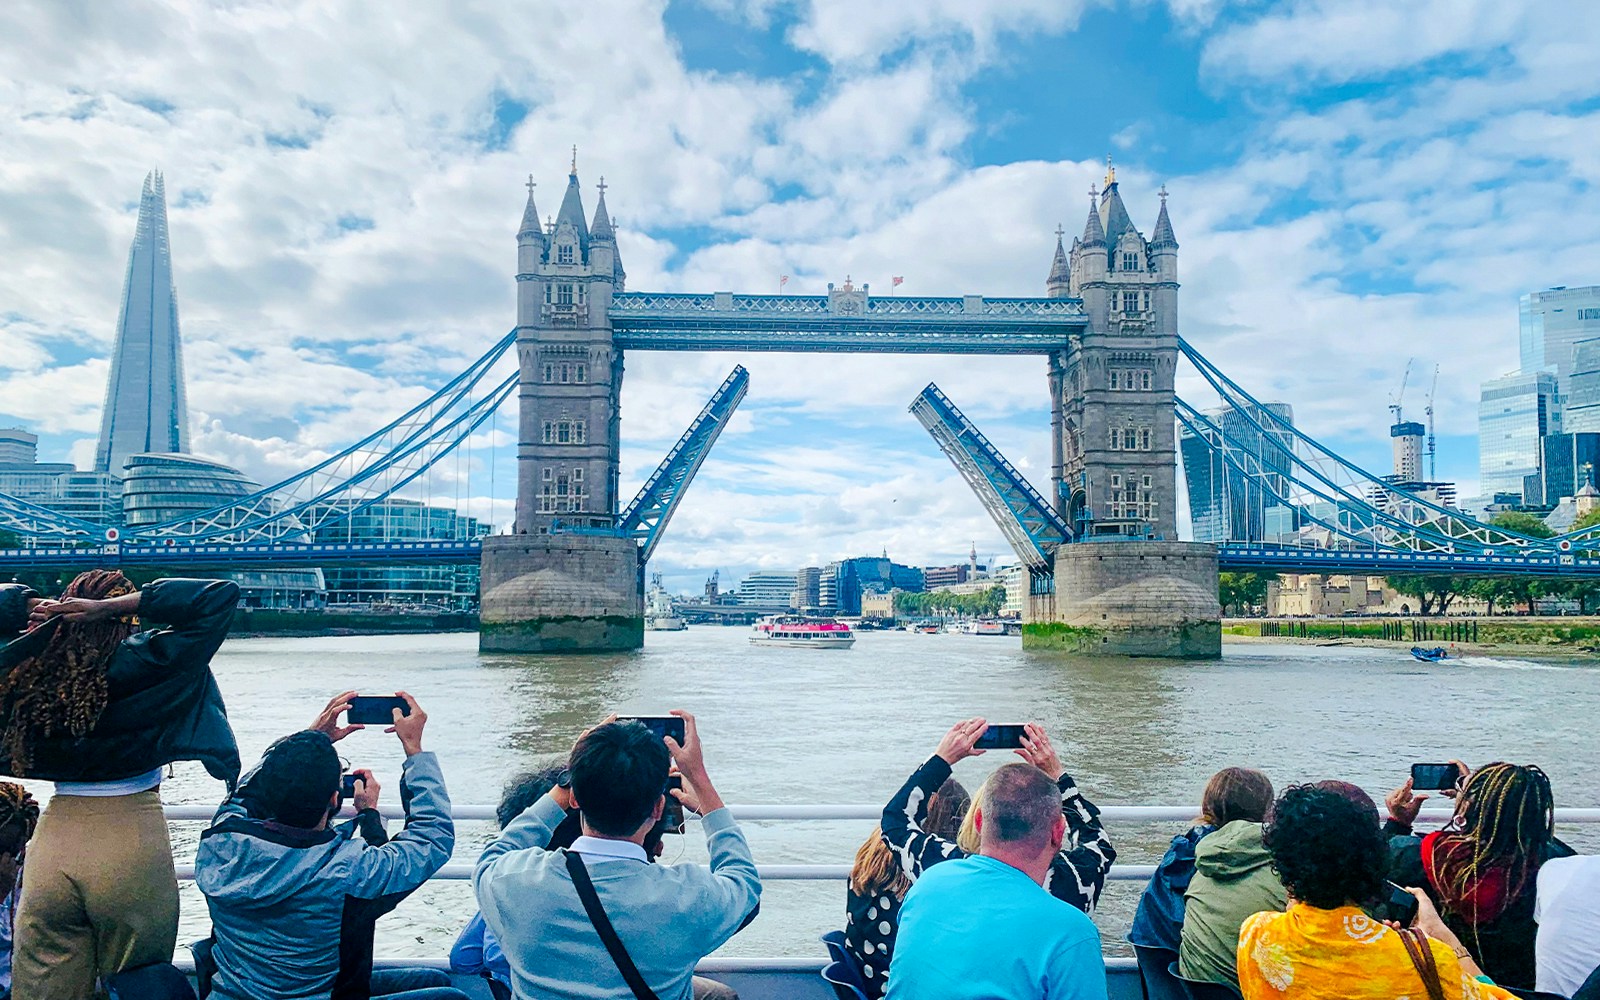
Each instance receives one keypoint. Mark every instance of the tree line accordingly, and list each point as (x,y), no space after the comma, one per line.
(983,604)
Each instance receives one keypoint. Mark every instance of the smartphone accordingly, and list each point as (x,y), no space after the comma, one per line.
(661,725)
(672,820)
(1402,906)
(347,787)
(372,710)
(1434,777)
(1001,736)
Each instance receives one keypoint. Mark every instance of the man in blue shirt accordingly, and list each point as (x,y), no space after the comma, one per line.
(983,927)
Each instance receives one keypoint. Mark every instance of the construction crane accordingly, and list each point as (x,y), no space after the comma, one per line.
(1397,398)
(1432,474)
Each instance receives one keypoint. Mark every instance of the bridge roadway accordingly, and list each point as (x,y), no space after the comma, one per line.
(1232,556)
(845,320)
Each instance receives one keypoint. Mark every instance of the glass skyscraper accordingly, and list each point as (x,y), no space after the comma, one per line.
(1225,505)
(1514,413)
(1553,323)
(145,409)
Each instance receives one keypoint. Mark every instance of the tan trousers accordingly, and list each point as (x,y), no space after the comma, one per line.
(99,895)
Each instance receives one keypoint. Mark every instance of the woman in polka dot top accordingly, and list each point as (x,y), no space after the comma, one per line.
(919,827)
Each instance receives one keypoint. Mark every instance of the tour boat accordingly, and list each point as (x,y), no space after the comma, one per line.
(806,633)
(983,628)
(659,614)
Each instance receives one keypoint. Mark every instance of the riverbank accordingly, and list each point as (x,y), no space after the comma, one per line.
(1565,637)
(257,622)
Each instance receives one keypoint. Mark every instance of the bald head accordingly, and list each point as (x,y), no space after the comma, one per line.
(1019,806)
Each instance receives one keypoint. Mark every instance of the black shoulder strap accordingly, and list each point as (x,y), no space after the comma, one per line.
(608,934)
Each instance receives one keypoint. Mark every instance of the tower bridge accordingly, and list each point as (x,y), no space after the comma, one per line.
(1099,539)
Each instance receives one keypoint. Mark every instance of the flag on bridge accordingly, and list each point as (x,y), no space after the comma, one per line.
(896,281)
(783,279)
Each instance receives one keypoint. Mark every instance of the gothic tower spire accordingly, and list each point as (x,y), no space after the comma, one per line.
(1059,284)
(146,409)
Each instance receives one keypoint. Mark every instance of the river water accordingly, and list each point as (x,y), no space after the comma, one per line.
(810,726)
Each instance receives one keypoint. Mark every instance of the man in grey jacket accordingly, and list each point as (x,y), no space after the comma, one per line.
(665,917)
(278,880)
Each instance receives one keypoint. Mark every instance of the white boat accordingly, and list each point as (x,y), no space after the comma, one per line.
(805,633)
(983,628)
(659,614)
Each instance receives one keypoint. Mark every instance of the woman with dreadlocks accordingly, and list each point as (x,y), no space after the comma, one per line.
(18,816)
(1482,869)
(97,706)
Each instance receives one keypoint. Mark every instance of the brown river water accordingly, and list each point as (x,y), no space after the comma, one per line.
(848,726)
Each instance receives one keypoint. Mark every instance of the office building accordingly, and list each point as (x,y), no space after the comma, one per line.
(453,587)
(845,581)
(157,489)
(1406,437)
(145,411)
(1567,462)
(18,447)
(937,577)
(807,586)
(1580,403)
(1552,324)
(772,589)
(1514,412)
(1225,504)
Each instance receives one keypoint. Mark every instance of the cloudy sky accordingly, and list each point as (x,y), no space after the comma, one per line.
(1353,182)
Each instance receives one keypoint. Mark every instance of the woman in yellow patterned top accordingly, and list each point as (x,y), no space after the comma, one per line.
(1330,854)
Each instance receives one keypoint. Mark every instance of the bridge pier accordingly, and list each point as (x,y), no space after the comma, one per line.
(562,593)
(1130,598)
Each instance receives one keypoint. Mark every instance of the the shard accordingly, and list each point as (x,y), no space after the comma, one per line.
(145,409)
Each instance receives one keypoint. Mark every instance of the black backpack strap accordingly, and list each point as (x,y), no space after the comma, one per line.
(608,934)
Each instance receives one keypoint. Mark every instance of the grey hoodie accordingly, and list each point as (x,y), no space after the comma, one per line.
(1233,879)
(277,893)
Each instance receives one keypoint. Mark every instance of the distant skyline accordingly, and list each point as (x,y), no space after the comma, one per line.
(1352,183)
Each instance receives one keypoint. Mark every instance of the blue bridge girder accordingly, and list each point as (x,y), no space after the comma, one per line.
(647,514)
(843,321)
(1245,557)
(1030,525)
(252,555)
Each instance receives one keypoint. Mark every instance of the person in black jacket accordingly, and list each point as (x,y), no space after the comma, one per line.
(1077,873)
(17,601)
(97,706)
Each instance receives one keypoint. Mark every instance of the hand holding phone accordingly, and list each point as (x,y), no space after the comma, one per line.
(672,819)
(375,710)
(1002,736)
(662,725)
(1435,777)
(1401,904)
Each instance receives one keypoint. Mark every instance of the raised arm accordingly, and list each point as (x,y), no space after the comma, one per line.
(1078,872)
(904,815)
(197,614)
(735,885)
(414,854)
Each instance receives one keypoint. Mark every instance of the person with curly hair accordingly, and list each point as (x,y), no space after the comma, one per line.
(1482,869)
(1329,852)
(94,704)
(19,814)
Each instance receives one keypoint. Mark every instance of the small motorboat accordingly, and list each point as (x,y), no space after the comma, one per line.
(1433,655)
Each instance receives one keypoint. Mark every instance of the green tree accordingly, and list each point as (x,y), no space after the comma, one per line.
(1434,592)
(1243,591)
(1588,520)
(1522,523)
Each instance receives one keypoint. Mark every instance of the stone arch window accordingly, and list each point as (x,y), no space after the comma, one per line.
(1130,260)
(566,253)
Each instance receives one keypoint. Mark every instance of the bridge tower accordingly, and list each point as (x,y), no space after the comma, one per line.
(1136,590)
(1116,444)
(563,580)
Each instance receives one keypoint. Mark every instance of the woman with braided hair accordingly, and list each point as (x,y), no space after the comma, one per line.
(94,704)
(1482,869)
(18,816)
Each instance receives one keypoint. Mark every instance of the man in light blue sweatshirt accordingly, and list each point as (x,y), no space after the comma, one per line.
(983,927)
(666,917)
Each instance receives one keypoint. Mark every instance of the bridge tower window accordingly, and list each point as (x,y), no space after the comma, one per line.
(1130,302)
(1116,379)
(1144,439)
(580,373)
(1130,261)
(1144,380)
(565,432)
(565,254)
(564,295)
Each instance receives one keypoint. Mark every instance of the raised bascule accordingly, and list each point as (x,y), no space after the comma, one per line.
(570,574)
(1106,571)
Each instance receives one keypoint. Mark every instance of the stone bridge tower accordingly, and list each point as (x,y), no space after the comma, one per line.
(1115,449)
(1133,589)
(562,580)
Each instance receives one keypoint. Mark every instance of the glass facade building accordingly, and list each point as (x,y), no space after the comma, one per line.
(1580,405)
(439,586)
(1225,505)
(1552,324)
(160,488)
(843,582)
(1567,462)
(768,588)
(1514,413)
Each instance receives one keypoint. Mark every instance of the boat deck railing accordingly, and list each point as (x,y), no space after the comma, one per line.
(823,872)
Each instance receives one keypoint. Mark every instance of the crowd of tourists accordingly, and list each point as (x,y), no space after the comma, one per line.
(1305,895)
